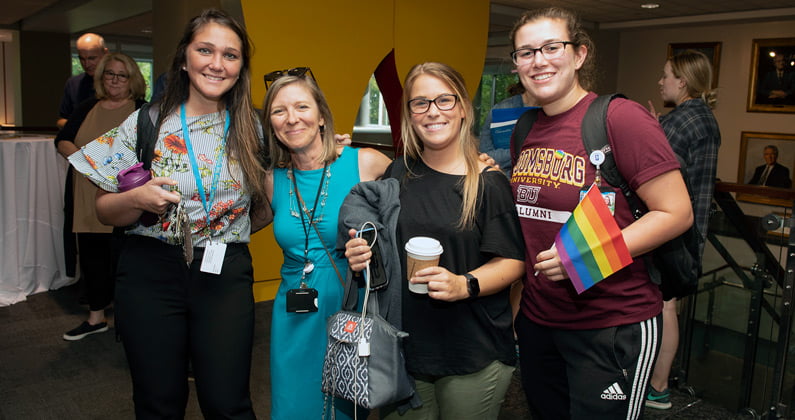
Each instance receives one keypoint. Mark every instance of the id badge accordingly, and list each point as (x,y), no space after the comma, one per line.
(608,194)
(213,258)
(302,300)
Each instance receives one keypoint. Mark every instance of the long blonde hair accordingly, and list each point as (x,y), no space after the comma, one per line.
(137,84)
(280,155)
(467,142)
(696,70)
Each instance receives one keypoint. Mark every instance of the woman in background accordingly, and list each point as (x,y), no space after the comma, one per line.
(120,89)
(694,135)
(184,285)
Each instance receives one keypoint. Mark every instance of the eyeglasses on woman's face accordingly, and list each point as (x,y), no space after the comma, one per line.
(109,75)
(550,51)
(297,71)
(444,102)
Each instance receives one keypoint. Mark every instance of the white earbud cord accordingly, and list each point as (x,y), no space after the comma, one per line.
(362,342)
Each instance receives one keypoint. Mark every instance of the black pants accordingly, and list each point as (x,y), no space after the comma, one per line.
(587,374)
(98,264)
(168,313)
(69,240)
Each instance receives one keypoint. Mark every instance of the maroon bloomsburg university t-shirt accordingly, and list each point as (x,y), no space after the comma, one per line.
(550,172)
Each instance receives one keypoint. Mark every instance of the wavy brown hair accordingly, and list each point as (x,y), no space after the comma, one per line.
(244,141)
(586,75)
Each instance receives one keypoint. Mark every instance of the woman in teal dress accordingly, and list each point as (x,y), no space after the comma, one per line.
(311,177)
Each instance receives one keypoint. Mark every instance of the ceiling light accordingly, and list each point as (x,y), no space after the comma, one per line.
(649,5)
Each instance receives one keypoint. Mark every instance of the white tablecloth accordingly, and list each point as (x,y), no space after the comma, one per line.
(31,218)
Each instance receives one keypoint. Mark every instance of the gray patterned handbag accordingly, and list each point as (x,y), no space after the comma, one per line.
(364,356)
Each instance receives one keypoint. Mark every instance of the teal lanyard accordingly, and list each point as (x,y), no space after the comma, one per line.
(195,166)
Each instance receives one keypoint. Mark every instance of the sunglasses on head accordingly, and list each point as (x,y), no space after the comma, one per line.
(297,71)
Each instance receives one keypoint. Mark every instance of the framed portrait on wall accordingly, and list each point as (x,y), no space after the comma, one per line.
(766,159)
(771,87)
(710,49)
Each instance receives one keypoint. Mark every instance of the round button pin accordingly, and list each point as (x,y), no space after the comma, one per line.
(597,157)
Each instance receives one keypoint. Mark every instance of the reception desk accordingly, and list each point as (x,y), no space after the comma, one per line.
(31,218)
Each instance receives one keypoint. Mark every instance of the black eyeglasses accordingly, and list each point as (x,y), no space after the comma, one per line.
(109,75)
(297,71)
(549,51)
(444,102)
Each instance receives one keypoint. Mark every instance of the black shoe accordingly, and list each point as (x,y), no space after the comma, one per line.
(85,329)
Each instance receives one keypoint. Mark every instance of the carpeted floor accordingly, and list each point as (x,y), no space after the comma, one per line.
(44,377)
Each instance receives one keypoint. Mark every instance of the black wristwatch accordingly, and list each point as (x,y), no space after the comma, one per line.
(473,285)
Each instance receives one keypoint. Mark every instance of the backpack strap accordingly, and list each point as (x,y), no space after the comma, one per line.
(147,134)
(520,131)
(594,137)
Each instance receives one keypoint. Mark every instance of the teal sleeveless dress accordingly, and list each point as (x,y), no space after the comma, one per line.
(298,340)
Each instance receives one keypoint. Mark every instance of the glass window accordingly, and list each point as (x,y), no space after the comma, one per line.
(372,111)
(493,89)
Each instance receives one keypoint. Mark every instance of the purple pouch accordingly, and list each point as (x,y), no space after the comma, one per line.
(134,177)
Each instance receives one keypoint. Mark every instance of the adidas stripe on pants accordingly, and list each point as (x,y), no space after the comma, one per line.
(587,374)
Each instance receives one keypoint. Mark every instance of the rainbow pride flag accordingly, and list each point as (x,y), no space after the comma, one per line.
(590,244)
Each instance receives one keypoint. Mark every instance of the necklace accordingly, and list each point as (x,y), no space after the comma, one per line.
(309,266)
(294,202)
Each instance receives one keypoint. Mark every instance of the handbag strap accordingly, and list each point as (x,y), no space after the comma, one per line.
(333,264)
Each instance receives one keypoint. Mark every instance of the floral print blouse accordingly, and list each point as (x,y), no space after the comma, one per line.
(102,159)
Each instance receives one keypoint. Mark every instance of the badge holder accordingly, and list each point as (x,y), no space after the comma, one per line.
(597,158)
(303,299)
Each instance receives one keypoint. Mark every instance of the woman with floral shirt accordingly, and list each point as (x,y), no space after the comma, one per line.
(183,290)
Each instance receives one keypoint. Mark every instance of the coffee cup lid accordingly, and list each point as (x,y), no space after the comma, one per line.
(423,245)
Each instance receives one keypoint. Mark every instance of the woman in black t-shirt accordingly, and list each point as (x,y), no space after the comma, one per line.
(460,347)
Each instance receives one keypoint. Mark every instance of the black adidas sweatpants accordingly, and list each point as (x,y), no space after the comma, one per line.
(587,374)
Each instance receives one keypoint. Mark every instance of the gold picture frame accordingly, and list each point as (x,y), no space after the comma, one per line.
(752,148)
(768,92)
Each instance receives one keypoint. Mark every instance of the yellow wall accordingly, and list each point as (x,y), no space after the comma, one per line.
(343,42)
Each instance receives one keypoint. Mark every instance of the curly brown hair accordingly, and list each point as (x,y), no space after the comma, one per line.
(587,73)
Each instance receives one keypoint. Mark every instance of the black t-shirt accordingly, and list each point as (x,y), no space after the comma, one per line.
(462,337)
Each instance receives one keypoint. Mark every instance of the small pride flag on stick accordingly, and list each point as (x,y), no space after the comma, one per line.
(590,244)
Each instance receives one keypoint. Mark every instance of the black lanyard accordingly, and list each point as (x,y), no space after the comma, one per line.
(307,228)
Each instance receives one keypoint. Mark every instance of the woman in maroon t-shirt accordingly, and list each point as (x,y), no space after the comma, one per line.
(586,355)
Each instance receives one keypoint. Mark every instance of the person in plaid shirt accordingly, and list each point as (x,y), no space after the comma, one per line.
(694,136)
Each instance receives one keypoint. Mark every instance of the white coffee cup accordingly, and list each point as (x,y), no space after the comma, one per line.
(421,252)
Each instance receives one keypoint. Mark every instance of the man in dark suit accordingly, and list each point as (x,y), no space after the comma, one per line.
(771,174)
(777,86)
